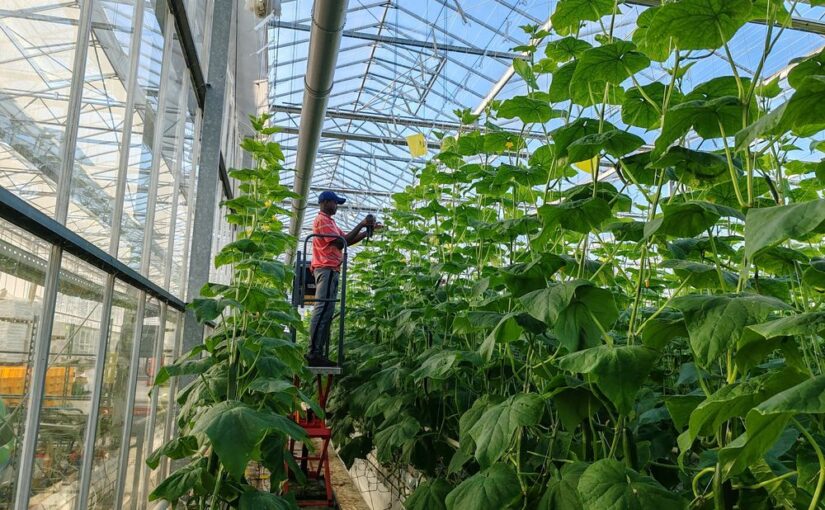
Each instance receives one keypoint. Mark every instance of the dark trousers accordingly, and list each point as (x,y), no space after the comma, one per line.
(326,288)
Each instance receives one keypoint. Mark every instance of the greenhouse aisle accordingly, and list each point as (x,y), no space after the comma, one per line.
(433,255)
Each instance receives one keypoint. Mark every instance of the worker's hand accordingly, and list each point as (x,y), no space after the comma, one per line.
(368,221)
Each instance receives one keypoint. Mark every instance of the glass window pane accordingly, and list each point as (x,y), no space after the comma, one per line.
(143,131)
(23,261)
(113,410)
(140,412)
(198,12)
(185,198)
(162,419)
(37,44)
(102,115)
(174,116)
(70,377)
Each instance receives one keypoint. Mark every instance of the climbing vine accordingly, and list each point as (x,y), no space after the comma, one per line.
(619,305)
(237,387)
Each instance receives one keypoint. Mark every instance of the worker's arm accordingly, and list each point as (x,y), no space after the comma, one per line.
(356,235)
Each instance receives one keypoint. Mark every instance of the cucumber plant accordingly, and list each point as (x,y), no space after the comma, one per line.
(237,386)
(621,311)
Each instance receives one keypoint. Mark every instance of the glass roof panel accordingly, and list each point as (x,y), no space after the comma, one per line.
(404,69)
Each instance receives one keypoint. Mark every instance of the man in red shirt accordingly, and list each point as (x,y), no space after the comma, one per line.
(325,266)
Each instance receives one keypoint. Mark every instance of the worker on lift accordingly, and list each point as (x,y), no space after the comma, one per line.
(325,266)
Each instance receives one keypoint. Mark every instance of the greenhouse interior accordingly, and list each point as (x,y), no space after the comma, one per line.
(422,255)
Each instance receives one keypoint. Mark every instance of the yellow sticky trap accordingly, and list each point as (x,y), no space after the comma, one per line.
(589,165)
(417,144)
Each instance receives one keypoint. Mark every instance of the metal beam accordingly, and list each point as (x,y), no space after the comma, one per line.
(394,120)
(21,213)
(358,137)
(350,191)
(328,18)
(364,155)
(397,41)
(210,163)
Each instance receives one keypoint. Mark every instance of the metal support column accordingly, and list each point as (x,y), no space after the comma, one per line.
(200,258)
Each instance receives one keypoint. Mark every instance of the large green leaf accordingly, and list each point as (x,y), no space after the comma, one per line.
(805,113)
(610,63)
(811,66)
(637,167)
(637,109)
(694,168)
(524,277)
(679,407)
(577,310)
(666,327)
(579,128)
(609,485)
(699,24)
(496,427)
(810,323)
(734,400)
(760,340)
(178,448)
(259,500)
(429,495)
(569,14)
(619,371)
(523,69)
(235,430)
(768,124)
(437,365)
(614,142)
(715,323)
(566,48)
(577,215)
(768,226)
(506,331)
(560,85)
(574,404)
(562,492)
(527,109)
(192,477)
(707,117)
(688,219)
(765,423)
(814,275)
(497,488)
(656,49)
(389,438)
(702,276)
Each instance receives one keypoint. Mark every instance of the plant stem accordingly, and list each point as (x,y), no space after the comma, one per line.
(821,458)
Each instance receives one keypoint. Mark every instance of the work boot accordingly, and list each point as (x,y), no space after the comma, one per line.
(321,361)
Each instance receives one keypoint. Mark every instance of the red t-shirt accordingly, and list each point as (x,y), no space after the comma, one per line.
(324,253)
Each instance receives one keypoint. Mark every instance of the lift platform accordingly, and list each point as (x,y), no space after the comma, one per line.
(313,459)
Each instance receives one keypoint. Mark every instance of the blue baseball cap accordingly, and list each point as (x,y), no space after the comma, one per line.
(329,195)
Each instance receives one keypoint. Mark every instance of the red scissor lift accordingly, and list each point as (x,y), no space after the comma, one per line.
(314,460)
